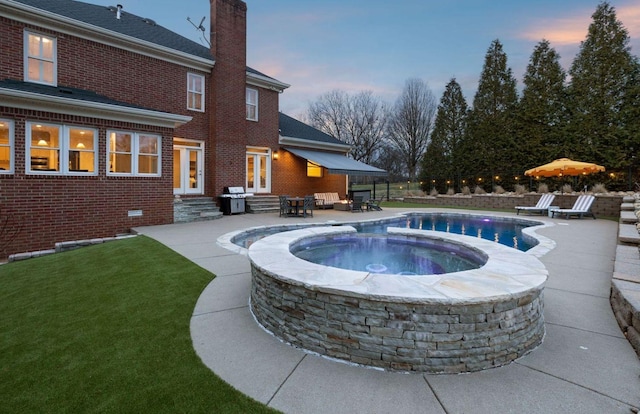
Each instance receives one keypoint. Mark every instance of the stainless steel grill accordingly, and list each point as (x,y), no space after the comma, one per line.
(232,201)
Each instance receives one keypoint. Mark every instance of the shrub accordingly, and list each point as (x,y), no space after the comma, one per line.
(543,188)
(519,189)
(479,190)
(433,192)
(567,188)
(450,191)
(466,190)
(498,189)
(599,189)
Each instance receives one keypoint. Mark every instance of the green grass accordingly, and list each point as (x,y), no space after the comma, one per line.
(106,329)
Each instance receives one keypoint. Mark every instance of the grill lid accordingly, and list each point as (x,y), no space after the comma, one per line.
(233,190)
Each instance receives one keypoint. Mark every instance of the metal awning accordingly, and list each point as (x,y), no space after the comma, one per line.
(337,163)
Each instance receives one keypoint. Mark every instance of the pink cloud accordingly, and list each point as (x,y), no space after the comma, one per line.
(571,30)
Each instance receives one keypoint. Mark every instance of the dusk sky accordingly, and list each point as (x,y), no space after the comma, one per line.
(356,45)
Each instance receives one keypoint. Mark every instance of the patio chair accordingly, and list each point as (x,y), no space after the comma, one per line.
(374,204)
(308,204)
(581,208)
(542,206)
(285,208)
(356,204)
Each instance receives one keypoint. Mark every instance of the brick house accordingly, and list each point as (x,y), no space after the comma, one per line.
(106,116)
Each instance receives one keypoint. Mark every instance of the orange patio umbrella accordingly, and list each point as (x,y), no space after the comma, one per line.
(564,166)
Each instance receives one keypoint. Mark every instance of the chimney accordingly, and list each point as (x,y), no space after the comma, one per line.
(228,123)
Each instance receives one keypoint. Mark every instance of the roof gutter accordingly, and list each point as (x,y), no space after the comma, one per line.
(306,143)
(266,82)
(76,107)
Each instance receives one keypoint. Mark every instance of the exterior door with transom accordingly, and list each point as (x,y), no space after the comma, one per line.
(258,170)
(188,175)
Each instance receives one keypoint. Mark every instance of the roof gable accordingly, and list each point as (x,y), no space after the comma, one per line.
(128,24)
(292,128)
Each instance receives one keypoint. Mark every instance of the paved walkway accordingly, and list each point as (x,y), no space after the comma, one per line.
(585,364)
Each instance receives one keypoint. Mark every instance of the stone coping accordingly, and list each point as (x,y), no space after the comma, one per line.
(507,272)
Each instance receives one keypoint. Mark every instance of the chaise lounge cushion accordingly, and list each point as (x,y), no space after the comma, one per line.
(326,200)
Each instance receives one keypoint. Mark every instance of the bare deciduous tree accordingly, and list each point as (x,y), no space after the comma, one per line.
(358,120)
(411,122)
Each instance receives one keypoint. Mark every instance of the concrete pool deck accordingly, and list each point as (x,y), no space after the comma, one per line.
(584,365)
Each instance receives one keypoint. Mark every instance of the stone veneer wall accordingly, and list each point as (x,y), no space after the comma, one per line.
(604,205)
(430,337)
(625,284)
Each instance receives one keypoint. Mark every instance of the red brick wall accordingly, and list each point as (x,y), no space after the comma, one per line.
(50,209)
(118,74)
(226,160)
(290,177)
(43,210)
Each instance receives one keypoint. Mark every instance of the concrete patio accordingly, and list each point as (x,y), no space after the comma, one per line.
(585,364)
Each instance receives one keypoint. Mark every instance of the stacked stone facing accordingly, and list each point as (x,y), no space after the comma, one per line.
(409,336)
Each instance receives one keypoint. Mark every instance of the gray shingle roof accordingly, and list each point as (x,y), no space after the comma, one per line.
(63,92)
(128,24)
(291,127)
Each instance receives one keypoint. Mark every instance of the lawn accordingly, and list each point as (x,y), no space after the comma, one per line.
(106,329)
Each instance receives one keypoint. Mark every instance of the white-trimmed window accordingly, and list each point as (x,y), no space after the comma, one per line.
(40,58)
(195,92)
(133,153)
(61,149)
(6,146)
(252,104)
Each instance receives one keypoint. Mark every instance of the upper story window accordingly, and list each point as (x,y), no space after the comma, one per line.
(6,146)
(252,104)
(61,149)
(195,92)
(133,153)
(40,58)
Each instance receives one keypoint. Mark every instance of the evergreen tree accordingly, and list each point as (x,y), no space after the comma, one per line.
(542,114)
(604,78)
(489,146)
(440,161)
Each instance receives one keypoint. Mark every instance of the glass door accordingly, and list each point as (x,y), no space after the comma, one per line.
(188,175)
(258,170)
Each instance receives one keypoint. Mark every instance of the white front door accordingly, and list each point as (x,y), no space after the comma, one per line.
(188,174)
(258,170)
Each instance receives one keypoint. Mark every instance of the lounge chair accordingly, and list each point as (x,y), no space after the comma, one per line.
(542,206)
(581,208)
(356,204)
(374,204)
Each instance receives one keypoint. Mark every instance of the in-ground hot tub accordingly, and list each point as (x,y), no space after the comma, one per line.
(452,322)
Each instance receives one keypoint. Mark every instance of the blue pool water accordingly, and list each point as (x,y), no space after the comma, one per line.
(505,231)
(382,254)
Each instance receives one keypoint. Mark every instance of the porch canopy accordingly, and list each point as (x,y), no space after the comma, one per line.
(337,163)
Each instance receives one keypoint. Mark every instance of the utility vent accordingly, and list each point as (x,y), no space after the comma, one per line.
(149,21)
(135,213)
(65,90)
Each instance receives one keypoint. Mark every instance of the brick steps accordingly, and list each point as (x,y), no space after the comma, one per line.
(186,210)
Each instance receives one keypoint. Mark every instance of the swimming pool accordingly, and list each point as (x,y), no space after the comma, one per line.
(506,231)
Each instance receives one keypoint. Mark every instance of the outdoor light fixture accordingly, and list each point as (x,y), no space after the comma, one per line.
(275,155)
